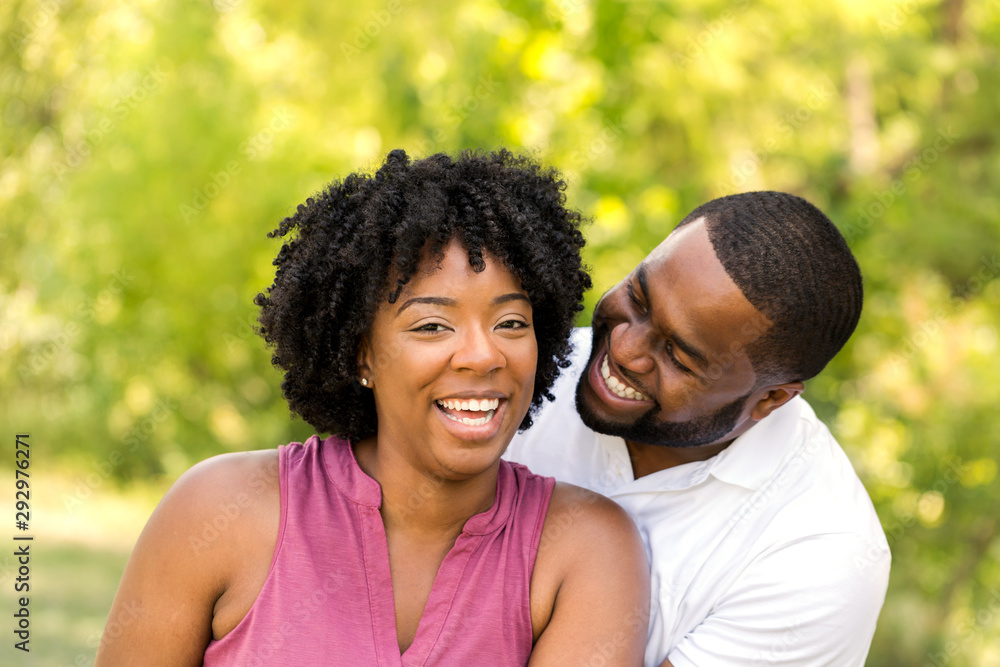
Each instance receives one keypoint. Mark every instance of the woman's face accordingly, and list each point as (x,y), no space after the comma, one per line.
(452,365)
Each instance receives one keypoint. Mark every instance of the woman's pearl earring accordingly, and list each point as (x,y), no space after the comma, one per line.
(364,381)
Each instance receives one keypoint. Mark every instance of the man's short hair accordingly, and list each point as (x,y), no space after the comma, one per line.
(793,265)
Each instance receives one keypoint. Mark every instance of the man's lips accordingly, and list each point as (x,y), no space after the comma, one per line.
(621,388)
(607,381)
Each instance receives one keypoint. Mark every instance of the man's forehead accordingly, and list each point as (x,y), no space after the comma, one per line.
(678,237)
(684,271)
(686,250)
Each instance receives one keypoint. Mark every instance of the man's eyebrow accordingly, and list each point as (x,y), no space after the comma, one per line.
(687,348)
(451,303)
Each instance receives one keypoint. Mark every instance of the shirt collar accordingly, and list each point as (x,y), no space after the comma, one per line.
(753,458)
(748,462)
(343,469)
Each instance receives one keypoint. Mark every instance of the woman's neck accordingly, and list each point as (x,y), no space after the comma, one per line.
(424,503)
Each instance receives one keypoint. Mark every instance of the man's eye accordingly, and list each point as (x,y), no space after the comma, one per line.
(673,359)
(634,299)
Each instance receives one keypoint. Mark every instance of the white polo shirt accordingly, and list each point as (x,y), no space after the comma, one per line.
(769,553)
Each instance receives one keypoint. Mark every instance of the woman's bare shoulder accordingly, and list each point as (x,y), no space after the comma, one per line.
(582,531)
(586,512)
(259,467)
(242,478)
(592,561)
(227,498)
(219,508)
(208,541)
(216,498)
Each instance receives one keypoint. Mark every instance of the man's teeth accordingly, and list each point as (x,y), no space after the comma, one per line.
(487,405)
(618,387)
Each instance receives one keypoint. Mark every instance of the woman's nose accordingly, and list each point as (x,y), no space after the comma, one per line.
(479,353)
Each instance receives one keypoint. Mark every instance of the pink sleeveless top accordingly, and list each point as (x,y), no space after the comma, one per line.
(328,600)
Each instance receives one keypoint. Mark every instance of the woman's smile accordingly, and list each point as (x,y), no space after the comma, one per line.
(464,411)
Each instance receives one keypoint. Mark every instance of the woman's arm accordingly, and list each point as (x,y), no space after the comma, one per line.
(199,555)
(590,583)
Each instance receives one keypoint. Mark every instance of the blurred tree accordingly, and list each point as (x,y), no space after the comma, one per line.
(147,148)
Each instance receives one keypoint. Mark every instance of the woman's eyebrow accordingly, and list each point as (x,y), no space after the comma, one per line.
(435,300)
(512,296)
(451,303)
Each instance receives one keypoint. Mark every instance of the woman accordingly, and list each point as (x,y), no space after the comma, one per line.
(419,315)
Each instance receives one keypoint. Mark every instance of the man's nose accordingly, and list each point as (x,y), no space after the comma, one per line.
(478,352)
(631,346)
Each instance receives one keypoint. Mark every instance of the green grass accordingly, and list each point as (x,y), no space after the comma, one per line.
(80,547)
(72,586)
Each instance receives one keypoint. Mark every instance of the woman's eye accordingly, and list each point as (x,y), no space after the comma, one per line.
(432,327)
(513,324)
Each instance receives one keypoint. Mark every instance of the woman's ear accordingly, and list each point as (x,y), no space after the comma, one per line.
(365,363)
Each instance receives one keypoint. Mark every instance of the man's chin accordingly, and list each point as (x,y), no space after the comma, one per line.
(646,430)
(595,422)
(592,418)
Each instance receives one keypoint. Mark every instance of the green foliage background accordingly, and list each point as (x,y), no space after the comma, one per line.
(148,147)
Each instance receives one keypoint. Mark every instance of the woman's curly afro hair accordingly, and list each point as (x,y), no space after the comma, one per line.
(361,232)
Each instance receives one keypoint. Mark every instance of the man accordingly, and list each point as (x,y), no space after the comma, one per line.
(683,406)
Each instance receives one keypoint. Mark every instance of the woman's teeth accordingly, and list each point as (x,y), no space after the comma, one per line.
(618,387)
(487,405)
(473,405)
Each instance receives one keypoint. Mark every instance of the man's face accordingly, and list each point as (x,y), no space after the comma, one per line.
(668,364)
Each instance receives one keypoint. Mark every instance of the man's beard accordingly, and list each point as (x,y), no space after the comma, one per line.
(646,430)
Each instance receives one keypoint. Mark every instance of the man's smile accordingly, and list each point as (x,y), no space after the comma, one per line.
(619,387)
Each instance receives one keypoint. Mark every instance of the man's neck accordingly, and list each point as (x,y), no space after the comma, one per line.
(647,459)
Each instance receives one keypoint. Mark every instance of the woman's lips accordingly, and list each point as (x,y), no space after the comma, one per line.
(471,412)
(468,424)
